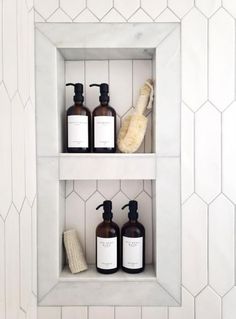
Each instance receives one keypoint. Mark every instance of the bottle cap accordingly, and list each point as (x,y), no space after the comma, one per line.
(78,90)
(104,90)
(133,207)
(107,206)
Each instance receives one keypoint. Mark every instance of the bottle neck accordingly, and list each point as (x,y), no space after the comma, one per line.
(107,220)
(104,103)
(79,103)
(133,221)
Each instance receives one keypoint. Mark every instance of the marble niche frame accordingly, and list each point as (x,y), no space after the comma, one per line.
(52,41)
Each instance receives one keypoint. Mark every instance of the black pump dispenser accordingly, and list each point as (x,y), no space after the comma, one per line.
(104,91)
(133,207)
(107,206)
(78,90)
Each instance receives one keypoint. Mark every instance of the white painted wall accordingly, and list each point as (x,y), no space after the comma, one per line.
(208,152)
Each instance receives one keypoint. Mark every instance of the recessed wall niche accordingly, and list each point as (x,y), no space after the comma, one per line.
(124,55)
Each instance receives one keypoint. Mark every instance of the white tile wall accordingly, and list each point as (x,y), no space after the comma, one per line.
(217,83)
(17,162)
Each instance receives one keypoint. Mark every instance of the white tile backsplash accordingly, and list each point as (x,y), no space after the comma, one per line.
(9,28)
(180,8)
(229,305)
(208,305)
(194,244)
(194,76)
(72,8)
(208,152)
(100,8)
(18,152)
(12,270)
(128,312)
(220,80)
(74,312)
(154,8)
(186,310)
(101,313)
(221,59)
(221,245)
(126,8)
(209,7)
(154,313)
(229,152)
(187,152)
(5,159)
(25,255)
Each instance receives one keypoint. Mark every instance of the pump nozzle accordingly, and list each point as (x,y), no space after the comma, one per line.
(78,89)
(107,205)
(133,207)
(104,90)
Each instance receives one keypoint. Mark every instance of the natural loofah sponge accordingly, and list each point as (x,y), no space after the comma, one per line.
(76,259)
(134,126)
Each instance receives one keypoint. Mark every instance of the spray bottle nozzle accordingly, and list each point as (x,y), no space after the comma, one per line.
(78,89)
(104,90)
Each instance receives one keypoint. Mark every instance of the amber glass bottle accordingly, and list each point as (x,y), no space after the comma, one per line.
(78,123)
(133,242)
(104,123)
(107,242)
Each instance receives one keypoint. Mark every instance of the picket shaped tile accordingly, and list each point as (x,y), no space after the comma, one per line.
(75,216)
(113,16)
(208,305)
(221,59)
(208,152)
(186,310)
(154,8)
(46,8)
(208,7)
(180,7)
(194,244)
(25,255)
(140,16)
(221,245)
(12,261)
(229,152)
(126,8)
(18,156)
(229,305)
(187,152)
(73,8)
(85,188)
(99,8)
(194,75)
(10,46)
(120,74)
(5,160)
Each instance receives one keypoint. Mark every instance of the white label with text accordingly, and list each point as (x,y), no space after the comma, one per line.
(104,127)
(107,253)
(132,252)
(78,131)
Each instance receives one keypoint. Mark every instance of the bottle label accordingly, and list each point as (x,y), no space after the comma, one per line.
(107,253)
(132,252)
(78,131)
(104,127)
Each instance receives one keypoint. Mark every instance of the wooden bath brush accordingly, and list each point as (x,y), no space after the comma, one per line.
(134,126)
